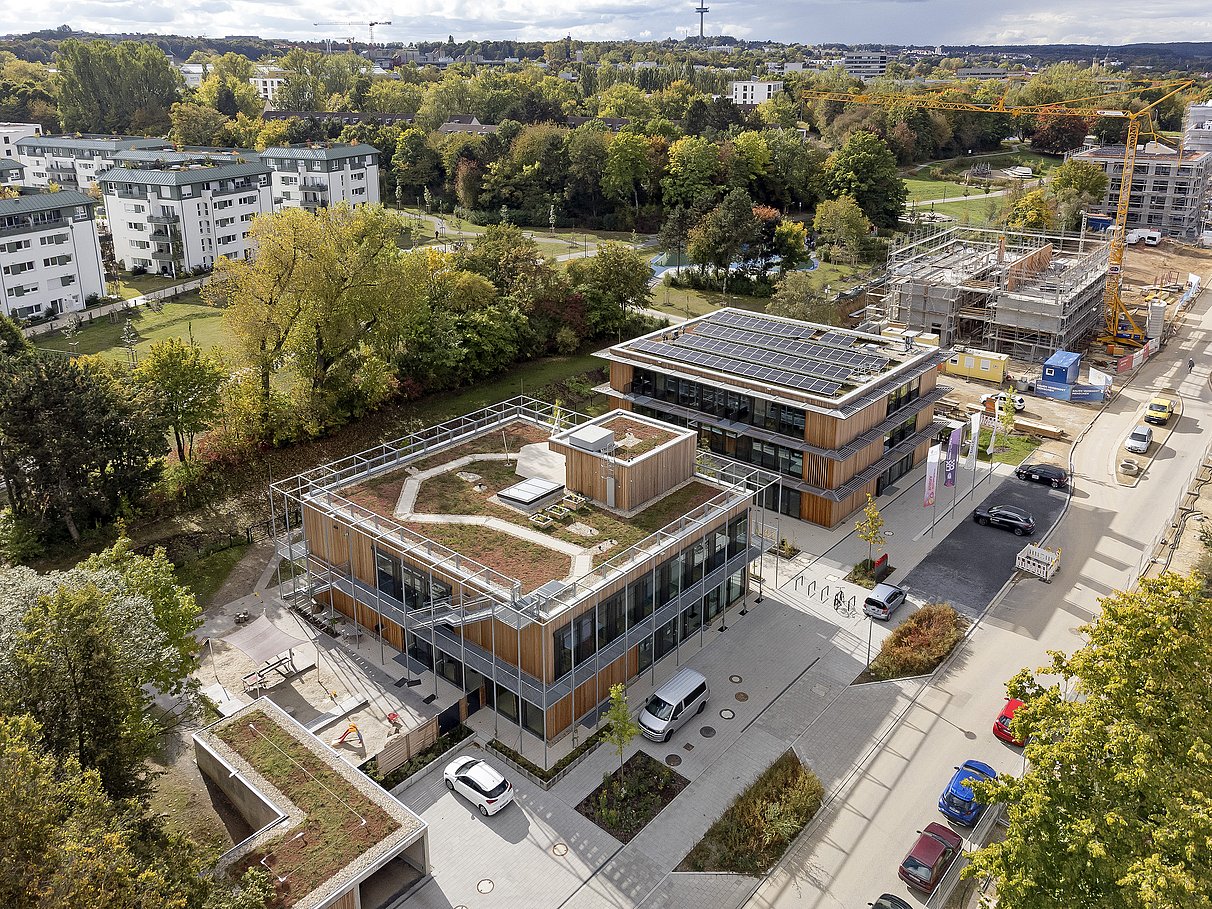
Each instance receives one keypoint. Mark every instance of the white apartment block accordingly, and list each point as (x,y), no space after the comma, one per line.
(11,173)
(181,217)
(865,64)
(11,133)
(316,176)
(50,259)
(754,92)
(1197,128)
(73,162)
(192,73)
(1168,189)
(267,80)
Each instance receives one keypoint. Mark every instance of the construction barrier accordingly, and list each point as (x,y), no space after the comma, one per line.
(1038,561)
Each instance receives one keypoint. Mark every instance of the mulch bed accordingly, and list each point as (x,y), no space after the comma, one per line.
(650,787)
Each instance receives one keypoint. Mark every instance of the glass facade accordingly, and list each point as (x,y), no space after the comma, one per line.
(719,403)
(904,396)
(415,589)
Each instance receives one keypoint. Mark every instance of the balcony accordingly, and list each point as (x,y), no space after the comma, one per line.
(165,219)
(163,255)
(160,234)
(314,186)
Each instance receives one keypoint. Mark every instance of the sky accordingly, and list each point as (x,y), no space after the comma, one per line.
(923,22)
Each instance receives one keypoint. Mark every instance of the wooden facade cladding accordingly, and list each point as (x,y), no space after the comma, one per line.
(636,483)
(621,375)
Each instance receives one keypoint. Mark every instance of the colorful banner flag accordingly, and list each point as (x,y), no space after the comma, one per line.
(952,462)
(974,435)
(932,460)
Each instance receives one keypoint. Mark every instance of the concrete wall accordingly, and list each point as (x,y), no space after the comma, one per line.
(254,807)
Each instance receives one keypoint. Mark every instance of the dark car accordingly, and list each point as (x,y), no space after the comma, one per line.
(936,848)
(1007,517)
(957,803)
(1055,476)
(1001,726)
(889,901)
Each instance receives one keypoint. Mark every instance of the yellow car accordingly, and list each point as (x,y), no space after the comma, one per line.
(1159,411)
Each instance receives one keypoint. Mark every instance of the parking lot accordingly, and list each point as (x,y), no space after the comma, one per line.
(971,565)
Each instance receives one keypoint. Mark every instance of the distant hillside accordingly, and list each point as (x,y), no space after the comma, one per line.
(1185,55)
(39,47)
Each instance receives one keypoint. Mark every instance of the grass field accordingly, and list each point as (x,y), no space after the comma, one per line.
(128,286)
(920,188)
(186,317)
(972,211)
(683,301)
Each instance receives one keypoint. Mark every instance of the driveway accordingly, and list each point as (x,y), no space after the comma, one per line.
(972,564)
(535,852)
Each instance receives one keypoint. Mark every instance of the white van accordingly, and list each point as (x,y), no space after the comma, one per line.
(673,704)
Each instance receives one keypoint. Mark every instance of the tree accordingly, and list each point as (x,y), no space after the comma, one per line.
(1085,178)
(694,169)
(115,88)
(1058,133)
(796,296)
(613,282)
(871,530)
(1031,211)
(865,169)
(195,124)
(842,223)
(619,728)
(186,381)
(627,169)
(230,93)
(1112,807)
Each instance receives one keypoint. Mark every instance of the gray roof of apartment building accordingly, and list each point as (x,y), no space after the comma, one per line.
(188,156)
(31,203)
(10,164)
(320,153)
(181,176)
(92,143)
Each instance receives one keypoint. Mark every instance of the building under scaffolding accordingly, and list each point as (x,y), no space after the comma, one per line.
(1022,294)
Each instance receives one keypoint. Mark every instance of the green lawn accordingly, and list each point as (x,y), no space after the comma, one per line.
(1014,452)
(206,575)
(683,301)
(128,286)
(971,211)
(920,188)
(183,318)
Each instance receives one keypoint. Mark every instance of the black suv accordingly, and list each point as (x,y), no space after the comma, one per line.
(1043,473)
(1006,516)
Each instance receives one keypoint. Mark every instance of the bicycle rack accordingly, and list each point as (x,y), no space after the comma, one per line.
(811,589)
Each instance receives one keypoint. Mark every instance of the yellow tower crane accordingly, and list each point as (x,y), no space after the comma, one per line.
(1121,327)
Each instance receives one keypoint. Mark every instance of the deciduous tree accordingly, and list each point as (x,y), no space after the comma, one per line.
(185,381)
(865,169)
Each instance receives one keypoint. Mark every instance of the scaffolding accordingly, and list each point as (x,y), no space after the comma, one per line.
(1024,294)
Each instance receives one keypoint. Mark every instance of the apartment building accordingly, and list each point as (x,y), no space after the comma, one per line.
(865,64)
(192,73)
(836,413)
(73,162)
(267,80)
(1169,187)
(183,216)
(50,258)
(11,133)
(754,92)
(315,176)
(11,173)
(455,581)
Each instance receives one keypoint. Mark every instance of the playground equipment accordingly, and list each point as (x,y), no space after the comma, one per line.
(352,728)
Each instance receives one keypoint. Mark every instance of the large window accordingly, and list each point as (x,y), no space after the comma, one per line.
(414,588)
(904,396)
(612,618)
(718,402)
(902,432)
(639,595)
(738,534)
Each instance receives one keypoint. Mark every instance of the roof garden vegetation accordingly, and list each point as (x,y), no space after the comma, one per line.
(529,563)
(340,822)
(647,437)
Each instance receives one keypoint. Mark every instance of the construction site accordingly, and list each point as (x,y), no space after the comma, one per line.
(1026,294)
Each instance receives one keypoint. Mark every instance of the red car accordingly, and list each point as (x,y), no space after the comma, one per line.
(1001,727)
(936,848)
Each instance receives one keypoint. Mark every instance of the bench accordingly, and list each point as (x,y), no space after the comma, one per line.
(341,710)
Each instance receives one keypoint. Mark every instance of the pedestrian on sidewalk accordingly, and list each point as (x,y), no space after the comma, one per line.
(1190,365)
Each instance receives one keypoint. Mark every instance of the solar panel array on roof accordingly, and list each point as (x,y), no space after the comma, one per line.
(678,354)
(831,346)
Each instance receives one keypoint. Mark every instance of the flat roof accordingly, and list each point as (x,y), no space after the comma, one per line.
(333,152)
(1116,153)
(817,365)
(181,176)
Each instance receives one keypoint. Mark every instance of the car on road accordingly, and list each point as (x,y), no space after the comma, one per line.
(1007,517)
(1017,401)
(1159,411)
(883,600)
(889,901)
(957,803)
(1139,440)
(1001,726)
(936,848)
(1055,476)
(479,783)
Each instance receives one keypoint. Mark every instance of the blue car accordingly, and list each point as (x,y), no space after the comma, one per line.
(957,803)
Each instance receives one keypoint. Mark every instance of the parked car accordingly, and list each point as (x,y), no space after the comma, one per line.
(936,848)
(1001,726)
(479,783)
(957,803)
(1139,440)
(889,901)
(1043,473)
(883,600)
(1007,517)
(1159,411)
(1018,401)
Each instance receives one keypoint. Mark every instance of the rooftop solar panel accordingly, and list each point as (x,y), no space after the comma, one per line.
(748,369)
(858,361)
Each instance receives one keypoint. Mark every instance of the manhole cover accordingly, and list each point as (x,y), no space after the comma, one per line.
(688,747)
(673,759)
(559,849)
(735,679)
(741,696)
(707,732)
(727,714)
(485,886)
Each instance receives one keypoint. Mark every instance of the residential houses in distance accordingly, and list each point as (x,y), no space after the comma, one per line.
(866,64)
(50,256)
(73,162)
(316,176)
(11,133)
(753,92)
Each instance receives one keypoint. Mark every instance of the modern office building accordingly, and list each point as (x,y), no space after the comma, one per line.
(315,176)
(182,215)
(50,257)
(754,92)
(73,162)
(527,557)
(865,64)
(11,133)
(836,413)
(1168,191)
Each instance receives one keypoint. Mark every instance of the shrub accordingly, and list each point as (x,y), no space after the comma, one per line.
(754,831)
(138,270)
(920,643)
(419,760)
(566,341)
(19,544)
(534,769)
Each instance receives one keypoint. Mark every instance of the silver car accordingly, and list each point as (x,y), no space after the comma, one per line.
(883,600)
(1140,440)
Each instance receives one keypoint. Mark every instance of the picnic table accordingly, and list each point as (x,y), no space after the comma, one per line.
(283,665)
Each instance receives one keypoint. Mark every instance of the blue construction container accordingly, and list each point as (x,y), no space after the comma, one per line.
(1063,367)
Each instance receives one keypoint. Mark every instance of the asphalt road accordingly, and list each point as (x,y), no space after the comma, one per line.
(850,853)
(973,563)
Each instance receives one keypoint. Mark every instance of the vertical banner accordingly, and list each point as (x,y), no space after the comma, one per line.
(974,437)
(932,460)
(952,462)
